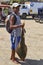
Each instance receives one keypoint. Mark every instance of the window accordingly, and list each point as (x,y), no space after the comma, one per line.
(24,7)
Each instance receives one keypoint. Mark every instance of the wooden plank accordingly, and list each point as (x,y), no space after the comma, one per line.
(1,5)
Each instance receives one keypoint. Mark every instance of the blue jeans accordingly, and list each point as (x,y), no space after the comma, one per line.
(13,41)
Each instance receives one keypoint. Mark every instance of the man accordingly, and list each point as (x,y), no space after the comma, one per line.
(16,33)
(2,15)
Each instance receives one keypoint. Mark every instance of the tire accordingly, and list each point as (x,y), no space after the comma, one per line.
(41,20)
(37,18)
(33,16)
(24,15)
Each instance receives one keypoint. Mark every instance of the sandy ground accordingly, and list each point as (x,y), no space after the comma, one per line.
(33,40)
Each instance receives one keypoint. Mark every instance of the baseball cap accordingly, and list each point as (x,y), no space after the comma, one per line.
(15,5)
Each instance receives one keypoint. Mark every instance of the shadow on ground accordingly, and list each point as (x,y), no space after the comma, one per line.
(32,62)
(2,26)
(28,19)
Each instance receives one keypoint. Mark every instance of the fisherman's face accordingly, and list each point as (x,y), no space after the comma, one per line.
(16,9)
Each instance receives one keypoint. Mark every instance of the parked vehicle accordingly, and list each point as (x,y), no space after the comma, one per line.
(24,10)
(39,18)
(34,6)
(2,13)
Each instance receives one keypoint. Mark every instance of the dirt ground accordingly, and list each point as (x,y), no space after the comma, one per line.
(33,40)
